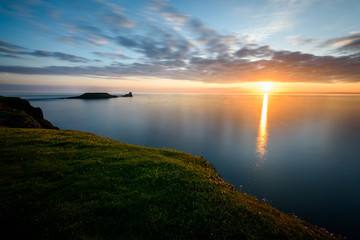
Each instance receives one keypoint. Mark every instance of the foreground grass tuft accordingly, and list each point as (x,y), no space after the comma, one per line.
(75,185)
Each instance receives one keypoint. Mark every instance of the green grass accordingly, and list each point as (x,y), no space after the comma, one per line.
(73,185)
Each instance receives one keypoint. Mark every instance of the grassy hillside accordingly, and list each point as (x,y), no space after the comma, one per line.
(69,184)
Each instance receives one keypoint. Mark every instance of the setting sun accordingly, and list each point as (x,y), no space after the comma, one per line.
(267,86)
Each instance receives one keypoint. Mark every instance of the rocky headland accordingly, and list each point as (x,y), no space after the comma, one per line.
(98,96)
(17,112)
(93,96)
(128,95)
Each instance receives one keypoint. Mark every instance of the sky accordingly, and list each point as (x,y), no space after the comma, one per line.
(180,45)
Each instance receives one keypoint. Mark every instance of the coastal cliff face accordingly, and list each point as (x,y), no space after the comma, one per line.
(18,113)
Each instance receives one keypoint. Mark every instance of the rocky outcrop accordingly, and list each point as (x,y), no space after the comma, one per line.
(17,112)
(93,96)
(128,95)
(98,96)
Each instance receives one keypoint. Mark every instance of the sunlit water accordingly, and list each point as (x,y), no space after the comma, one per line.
(262,135)
(301,152)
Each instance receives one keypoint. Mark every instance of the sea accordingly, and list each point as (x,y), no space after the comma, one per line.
(297,152)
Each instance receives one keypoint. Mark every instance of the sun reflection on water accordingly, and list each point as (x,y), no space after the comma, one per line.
(262,138)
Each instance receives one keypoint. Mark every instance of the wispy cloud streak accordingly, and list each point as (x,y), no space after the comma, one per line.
(350,43)
(17,51)
(277,16)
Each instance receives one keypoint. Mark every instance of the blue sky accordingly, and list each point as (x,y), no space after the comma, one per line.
(206,41)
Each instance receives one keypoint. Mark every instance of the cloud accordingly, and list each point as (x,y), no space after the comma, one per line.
(350,43)
(158,44)
(85,26)
(111,55)
(127,42)
(276,16)
(354,32)
(9,56)
(173,16)
(353,45)
(114,7)
(31,11)
(58,55)
(10,46)
(306,41)
(117,21)
(206,39)
(8,51)
(295,40)
(165,46)
(260,52)
(193,51)
(19,8)
(283,65)
(89,29)
(16,51)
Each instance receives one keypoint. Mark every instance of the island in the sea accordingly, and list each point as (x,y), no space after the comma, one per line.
(98,96)
(128,95)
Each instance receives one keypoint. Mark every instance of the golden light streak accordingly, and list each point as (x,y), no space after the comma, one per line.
(262,138)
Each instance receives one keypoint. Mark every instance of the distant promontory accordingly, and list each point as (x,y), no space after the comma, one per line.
(93,96)
(98,96)
(128,95)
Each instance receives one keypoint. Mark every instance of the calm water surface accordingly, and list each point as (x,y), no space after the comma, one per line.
(301,152)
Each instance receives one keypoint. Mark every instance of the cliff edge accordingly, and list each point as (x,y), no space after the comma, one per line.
(18,113)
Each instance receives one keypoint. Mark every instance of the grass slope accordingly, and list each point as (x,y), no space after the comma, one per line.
(75,185)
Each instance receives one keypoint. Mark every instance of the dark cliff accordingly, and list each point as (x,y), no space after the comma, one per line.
(17,112)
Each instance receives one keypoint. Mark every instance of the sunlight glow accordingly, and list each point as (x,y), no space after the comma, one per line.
(262,138)
(267,86)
